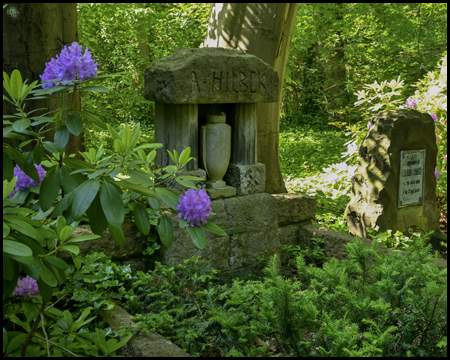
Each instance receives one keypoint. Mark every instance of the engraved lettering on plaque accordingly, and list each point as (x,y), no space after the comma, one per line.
(411,177)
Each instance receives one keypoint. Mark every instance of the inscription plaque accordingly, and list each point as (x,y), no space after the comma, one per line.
(411,177)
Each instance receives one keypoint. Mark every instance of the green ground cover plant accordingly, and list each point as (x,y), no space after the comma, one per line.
(392,304)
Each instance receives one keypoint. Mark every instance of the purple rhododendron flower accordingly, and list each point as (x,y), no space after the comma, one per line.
(411,103)
(194,207)
(436,173)
(434,116)
(26,287)
(368,125)
(24,181)
(70,65)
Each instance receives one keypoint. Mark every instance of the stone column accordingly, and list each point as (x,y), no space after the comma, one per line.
(176,126)
(244,173)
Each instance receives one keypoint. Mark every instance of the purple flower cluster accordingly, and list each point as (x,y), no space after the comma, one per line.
(69,65)
(434,116)
(24,181)
(194,207)
(411,103)
(26,287)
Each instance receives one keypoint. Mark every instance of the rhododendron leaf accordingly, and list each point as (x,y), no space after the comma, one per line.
(21,125)
(48,277)
(154,203)
(51,147)
(62,136)
(198,236)
(84,196)
(15,84)
(165,230)
(168,197)
(97,219)
(117,234)
(186,183)
(16,248)
(210,226)
(112,204)
(57,262)
(141,219)
(74,124)
(184,156)
(49,188)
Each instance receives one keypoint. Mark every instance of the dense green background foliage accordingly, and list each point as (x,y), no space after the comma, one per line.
(126,38)
(339,47)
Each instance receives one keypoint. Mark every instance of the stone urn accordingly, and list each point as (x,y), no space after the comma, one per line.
(215,137)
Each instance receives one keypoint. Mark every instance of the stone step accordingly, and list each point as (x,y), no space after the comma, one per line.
(140,345)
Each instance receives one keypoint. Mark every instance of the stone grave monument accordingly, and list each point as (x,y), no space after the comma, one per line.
(192,84)
(394,186)
(206,99)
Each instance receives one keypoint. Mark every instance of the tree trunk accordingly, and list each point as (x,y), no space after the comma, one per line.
(32,35)
(264,30)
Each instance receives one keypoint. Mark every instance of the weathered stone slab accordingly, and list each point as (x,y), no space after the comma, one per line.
(210,75)
(142,345)
(375,200)
(251,223)
(295,208)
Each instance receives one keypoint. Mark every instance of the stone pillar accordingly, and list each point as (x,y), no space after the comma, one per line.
(244,173)
(244,135)
(394,186)
(176,126)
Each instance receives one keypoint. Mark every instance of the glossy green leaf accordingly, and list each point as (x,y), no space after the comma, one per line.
(61,137)
(167,196)
(165,230)
(198,236)
(57,262)
(141,219)
(210,226)
(16,84)
(16,248)
(65,233)
(84,196)
(112,204)
(140,177)
(23,227)
(71,248)
(51,147)
(184,156)
(21,125)
(137,188)
(49,188)
(74,124)
(38,154)
(48,277)
(83,238)
(117,234)
(97,219)
(154,203)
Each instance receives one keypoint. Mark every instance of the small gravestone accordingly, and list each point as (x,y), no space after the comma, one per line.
(394,186)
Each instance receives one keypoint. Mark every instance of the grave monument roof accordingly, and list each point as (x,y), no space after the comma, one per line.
(210,76)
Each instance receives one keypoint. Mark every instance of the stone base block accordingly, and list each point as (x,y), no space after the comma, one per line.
(220,193)
(250,223)
(295,208)
(247,179)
